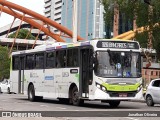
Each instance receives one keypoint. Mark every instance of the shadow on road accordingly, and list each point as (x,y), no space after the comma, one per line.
(87,104)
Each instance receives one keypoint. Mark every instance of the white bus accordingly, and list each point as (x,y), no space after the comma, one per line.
(105,70)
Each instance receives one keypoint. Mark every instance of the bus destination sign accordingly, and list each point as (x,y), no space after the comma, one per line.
(117,44)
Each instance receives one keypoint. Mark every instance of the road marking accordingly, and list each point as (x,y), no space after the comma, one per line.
(31,103)
(44,105)
(131,118)
(61,108)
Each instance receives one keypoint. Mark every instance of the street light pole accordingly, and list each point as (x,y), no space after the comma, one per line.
(75,21)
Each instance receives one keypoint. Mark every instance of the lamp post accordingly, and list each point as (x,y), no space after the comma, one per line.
(74,21)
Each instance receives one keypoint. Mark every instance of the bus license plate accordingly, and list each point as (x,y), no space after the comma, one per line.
(122,94)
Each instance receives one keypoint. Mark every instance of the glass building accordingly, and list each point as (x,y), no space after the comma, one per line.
(90,17)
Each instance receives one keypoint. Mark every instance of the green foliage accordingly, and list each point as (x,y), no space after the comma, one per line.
(4,63)
(109,13)
(125,6)
(142,39)
(22,34)
(144,14)
(156,41)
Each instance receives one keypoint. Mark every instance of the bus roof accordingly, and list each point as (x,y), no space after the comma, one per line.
(59,45)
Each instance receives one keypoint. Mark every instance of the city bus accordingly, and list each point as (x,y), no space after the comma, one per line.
(105,70)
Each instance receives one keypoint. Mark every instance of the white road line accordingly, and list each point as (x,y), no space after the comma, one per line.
(30,103)
(61,108)
(131,118)
(44,105)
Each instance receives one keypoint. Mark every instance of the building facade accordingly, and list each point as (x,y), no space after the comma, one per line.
(90,16)
(151,72)
(53,10)
(47,6)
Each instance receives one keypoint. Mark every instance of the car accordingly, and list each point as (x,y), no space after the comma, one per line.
(152,94)
(5,86)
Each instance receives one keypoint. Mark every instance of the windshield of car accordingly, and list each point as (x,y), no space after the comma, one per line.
(118,64)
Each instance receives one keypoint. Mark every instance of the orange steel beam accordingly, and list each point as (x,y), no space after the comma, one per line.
(33,23)
(1,12)
(17,33)
(37,36)
(10,27)
(29,32)
(39,17)
(121,36)
(131,34)
(129,37)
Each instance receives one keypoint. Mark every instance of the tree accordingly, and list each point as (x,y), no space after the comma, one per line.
(146,15)
(22,34)
(5,63)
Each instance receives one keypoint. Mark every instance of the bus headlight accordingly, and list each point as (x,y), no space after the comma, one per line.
(98,86)
(101,87)
(139,88)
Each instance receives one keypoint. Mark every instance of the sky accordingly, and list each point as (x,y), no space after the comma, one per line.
(35,5)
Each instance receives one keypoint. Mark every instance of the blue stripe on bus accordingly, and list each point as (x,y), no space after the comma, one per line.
(49,78)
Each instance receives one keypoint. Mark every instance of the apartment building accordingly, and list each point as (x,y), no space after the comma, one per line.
(90,16)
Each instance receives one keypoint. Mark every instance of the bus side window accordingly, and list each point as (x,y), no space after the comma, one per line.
(15,63)
(61,59)
(39,61)
(72,58)
(30,61)
(50,59)
(75,57)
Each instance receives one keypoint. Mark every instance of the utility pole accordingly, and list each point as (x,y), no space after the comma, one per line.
(150,36)
(75,21)
(116,19)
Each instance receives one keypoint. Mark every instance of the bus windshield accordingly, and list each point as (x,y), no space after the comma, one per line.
(118,64)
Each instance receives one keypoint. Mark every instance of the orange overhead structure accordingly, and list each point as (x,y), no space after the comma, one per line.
(121,36)
(32,22)
(11,9)
(130,34)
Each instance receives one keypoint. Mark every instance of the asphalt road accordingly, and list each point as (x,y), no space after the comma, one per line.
(90,109)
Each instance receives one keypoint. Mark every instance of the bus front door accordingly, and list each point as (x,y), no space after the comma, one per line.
(85,71)
(21,75)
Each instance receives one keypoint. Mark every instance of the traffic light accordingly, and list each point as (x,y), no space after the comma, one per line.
(147,1)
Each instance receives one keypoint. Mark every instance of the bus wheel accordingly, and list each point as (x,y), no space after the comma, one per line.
(75,97)
(0,90)
(31,93)
(114,103)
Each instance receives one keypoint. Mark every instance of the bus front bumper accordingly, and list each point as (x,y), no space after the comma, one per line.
(101,95)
